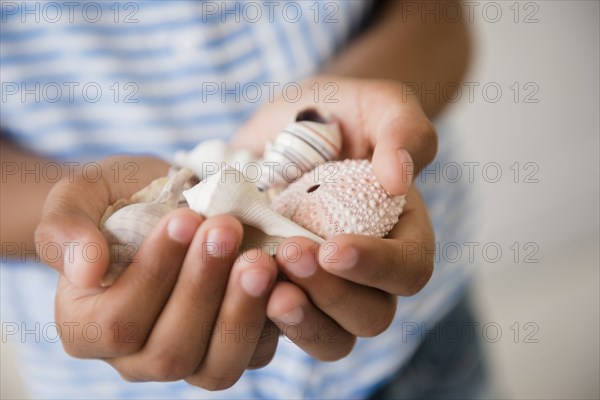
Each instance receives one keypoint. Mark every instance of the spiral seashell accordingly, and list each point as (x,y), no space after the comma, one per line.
(126,228)
(308,141)
(230,192)
(340,197)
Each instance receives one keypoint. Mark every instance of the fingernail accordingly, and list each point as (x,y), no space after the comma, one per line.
(293,317)
(407,165)
(221,241)
(255,282)
(342,260)
(181,229)
(303,267)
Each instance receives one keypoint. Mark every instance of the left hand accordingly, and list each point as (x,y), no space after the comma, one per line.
(347,287)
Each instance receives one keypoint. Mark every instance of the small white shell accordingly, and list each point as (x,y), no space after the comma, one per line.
(126,229)
(210,156)
(307,142)
(230,192)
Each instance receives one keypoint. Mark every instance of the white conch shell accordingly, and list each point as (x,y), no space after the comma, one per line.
(230,192)
(307,142)
(211,155)
(126,229)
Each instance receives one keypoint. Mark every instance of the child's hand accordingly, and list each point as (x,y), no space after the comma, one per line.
(180,311)
(348,287)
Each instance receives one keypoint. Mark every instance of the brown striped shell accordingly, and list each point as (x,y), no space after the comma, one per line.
(305,143)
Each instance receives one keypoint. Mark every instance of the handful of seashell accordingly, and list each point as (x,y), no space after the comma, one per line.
(296,189)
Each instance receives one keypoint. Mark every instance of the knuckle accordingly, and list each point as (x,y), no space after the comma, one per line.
(87,338)
(167,367)
(261,361)
(335,299)
(213,383)
(119,337)
(129,377)
(375,323)
(90,340)
(155,271)
(110,346)
(342,349)
(193,290)
(421,279)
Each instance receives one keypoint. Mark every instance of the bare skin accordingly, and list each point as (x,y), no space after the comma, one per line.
(355,295)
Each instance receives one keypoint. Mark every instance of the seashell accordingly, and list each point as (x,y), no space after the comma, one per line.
(147,194)
(310,140)
(255,238)
(210,156)
(230,192)
(127,227)
(340,197)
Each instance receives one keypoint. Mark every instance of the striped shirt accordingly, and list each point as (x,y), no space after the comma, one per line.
(83,80)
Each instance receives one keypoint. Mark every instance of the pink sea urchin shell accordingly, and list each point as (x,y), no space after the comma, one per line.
(340,197)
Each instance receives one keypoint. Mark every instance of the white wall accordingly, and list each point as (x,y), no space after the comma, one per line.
(560,134)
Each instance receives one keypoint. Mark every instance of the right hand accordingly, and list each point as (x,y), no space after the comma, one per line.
(180,311)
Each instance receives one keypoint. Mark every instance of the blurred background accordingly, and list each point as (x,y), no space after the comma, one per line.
(529,111)
(546,64)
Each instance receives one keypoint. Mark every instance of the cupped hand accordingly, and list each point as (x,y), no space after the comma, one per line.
(348,286)
(188,307)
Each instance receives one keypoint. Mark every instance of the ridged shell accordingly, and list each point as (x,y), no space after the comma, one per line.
(340,197)
(230,192)
(125,231)
(309,141)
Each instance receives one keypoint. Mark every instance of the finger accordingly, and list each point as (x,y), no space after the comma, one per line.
(306,326)
(401,264)
(240,322)
(137,297)
(179,337)
(70,224)
(403,138)
(359,309)
(267,344)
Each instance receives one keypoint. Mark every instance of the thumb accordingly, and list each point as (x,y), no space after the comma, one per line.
(404,145)
(68,237)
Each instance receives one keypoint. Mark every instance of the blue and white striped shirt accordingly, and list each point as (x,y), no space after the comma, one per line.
(83,80)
